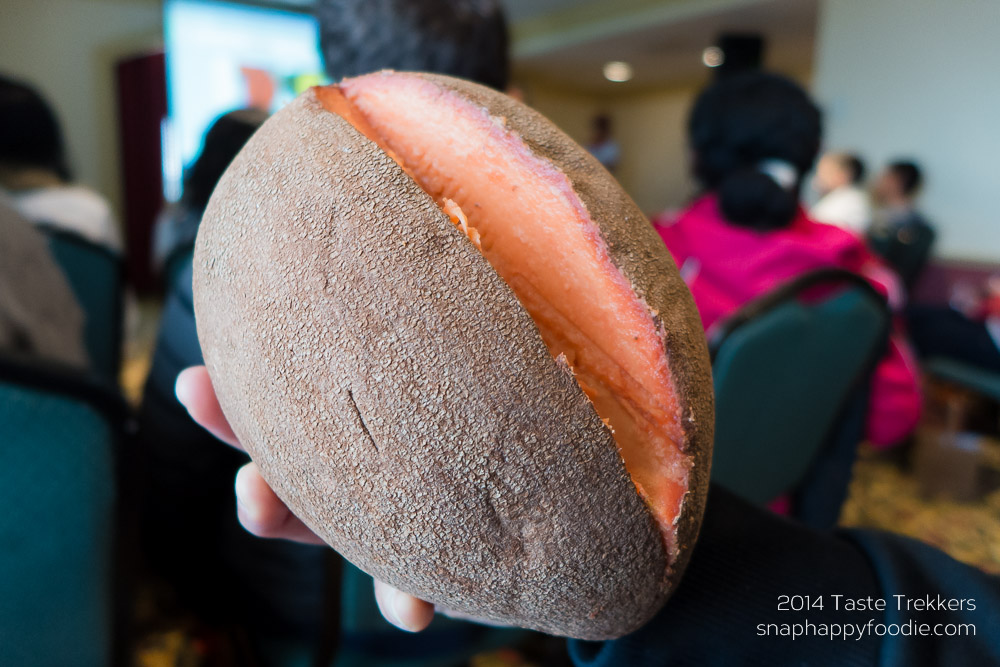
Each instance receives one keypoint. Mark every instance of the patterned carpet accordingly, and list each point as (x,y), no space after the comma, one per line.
(885,496)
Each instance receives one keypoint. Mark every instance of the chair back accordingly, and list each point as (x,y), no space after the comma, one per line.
(982,381)
(786,368)
(58,585)
(95,274)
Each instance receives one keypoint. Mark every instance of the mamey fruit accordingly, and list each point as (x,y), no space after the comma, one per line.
(402,284)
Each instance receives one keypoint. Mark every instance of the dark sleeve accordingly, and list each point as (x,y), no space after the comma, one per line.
(177,344)
(188,474)
(726,610)
(184,459)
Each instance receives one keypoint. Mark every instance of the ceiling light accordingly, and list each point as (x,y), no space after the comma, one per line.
(713,56)
(617,71)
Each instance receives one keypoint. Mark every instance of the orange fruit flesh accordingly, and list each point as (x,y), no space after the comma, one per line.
(524,216)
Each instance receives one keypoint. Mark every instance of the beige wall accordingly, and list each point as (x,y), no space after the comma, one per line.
(651,129)
(921,78)
(68,49)
(571,110)
(915,77)
(648,125)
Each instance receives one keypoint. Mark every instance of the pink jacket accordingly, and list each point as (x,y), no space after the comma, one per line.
(725,266)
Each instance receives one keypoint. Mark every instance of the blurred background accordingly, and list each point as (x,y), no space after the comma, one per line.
(870,65)
(136,85)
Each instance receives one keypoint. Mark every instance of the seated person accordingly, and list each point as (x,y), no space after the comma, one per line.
(843,202)
(753,137)
(39,315)
(900,234)
(177,226)
(34,173)
(966,330)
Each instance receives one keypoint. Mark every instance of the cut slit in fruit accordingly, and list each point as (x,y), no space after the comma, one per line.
(524,216)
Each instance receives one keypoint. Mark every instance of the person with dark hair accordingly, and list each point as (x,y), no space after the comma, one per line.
(968,328)
(178,225)
(463,38)
(753,137)
(843,201)
(34,172)
(900,234)
(899,183)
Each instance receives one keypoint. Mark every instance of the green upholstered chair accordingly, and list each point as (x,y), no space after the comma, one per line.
(978,380)
(58,585)
(791,373)
(96,276)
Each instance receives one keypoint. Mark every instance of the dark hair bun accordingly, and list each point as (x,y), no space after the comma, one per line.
(751,198)
(741,121)
(30,135)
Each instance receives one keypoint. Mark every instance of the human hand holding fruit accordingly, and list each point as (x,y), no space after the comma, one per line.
(262,513)
(478,377)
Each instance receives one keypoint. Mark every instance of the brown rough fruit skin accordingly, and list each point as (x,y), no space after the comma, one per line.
(638,252)
(400,400)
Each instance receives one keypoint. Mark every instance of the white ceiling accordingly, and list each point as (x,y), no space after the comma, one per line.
(566,42)
(669,52)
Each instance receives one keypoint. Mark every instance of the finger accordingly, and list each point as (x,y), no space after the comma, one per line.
(262,513)
(195,392)
(402,610)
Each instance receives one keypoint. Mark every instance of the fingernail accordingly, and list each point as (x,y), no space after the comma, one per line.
(399,603)
(241,493)
(180,389)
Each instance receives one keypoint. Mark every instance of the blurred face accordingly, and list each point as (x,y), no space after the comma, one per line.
(829,175)
(888,190)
